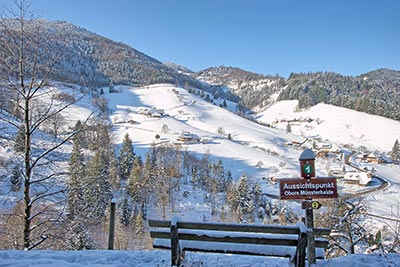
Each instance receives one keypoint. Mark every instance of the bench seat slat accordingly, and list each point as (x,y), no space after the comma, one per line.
(232,248)
(228,237)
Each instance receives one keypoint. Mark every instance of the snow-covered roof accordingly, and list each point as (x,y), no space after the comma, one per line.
(362,178)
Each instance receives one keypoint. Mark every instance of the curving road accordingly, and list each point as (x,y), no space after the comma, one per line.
(384,183)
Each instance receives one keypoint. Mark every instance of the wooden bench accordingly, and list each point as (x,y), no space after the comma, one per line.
(265,240)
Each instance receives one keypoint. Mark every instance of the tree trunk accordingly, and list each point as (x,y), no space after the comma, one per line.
(28,174)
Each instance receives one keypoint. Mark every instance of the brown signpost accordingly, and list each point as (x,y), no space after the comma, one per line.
(308,188)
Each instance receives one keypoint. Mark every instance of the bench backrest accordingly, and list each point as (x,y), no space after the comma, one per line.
(230,234)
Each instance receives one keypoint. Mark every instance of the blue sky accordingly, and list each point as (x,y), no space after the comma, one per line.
(269,37)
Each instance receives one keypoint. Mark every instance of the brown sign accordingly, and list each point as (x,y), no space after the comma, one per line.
(298,188)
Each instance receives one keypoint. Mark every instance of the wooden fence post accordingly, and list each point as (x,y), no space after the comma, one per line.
(299,258)
(112,225)
(310,236)
(175,248)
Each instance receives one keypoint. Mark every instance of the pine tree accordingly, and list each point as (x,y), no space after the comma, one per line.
(138,223)
(80,134)
(220,176)
(78,237)
(245,197)
(288,128)
(135,184)
(126,157)
(229,179)
(125,212)
(243,191)
(75,202)
(395,153)
(114,175)
(97,188)
(256,192)
(150,169)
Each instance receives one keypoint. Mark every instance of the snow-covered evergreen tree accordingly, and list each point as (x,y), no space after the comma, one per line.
(135,184)
(75,202)
(219,174)
(97,189)
(114,175)
(126,157)
(125,212)
(78,237)
(245,197)
(395,153)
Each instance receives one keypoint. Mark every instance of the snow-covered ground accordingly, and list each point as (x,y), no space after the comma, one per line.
(158,258)
(337,124)
(250,142)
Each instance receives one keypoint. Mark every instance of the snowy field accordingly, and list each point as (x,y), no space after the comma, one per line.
(336,124)
(157,258)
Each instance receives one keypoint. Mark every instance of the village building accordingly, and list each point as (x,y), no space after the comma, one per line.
(373,158)
(188,137)
(322,149)
(361,178)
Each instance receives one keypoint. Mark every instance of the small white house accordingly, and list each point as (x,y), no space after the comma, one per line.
(361,178)
(186,136)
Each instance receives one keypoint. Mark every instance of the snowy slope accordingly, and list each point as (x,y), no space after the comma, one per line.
(337,124)
(186,112)
(251,143)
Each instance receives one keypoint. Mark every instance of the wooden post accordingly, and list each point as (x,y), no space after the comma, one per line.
(310,235)
(307,171)
(112,225)
(300,257)
(175,248)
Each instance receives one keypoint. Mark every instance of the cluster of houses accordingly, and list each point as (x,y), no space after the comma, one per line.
(323,149)
(353,177)
(151,112)
(301,119)
(373,158)
(187,137)
(361,178)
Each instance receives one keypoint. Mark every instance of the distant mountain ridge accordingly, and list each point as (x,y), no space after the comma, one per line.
(94,61)
(254,90)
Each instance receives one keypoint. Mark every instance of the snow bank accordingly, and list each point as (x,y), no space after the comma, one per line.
(160,258)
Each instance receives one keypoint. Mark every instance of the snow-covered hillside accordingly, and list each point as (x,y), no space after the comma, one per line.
(158,114)
(250,142)
(337,124)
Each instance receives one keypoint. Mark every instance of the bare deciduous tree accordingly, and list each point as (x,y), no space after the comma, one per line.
(29,55)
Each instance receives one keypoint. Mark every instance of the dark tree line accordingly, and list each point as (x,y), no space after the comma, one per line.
(375,93)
